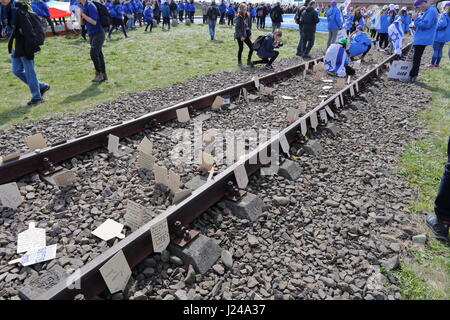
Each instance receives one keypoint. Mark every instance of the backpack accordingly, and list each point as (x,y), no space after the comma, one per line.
(36,24)
(257,44)
(103,13)
(275,15)
(298,16)
(213,14)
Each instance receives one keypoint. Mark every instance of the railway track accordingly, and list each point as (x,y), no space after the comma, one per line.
(138,245)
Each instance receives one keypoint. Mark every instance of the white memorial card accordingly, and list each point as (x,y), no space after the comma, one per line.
(284,144)
(10,196)
(160,174)
(180,195)
(183,115)
(241,177)
(134,217)
(313,120)
(160,235)
(218,102)
(108,230)
(38,255)
(10,156)
(174,182)
(352,91)
(113,144)
(256,80)
(205,160)
(146,146)
(31,239)
(303,127)
(330,113)
(116,272)
(146,161)
(36,141)
(292,115)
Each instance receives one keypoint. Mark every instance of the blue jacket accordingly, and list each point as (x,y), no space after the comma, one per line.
(443,29)
(359,44)
(148,14)
(127,8)
(116,11)
(222,8)
(253,12)
(165,10)
(231,11)
(180,6)
(406,20)
(334,19)
(108,4)
(266,48)
(348,22)
(40,8)
(426,26)
(385,22)
(137,6)
(91,11)
(191,7)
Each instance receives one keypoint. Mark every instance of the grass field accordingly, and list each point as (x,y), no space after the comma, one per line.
(428,276)
(143,61)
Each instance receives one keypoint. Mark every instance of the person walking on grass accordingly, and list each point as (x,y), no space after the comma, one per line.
(425,26)
(266,50)
(439,220)
(212,13)
(91,19)
(173,10)
(231,12)
(243,33)
(223,10)
(308,20)
(204,10)
(116,13)
(148,16)
(334,19)
(180,10)
(276,15)
(165,11)
(442,36)
(25,40)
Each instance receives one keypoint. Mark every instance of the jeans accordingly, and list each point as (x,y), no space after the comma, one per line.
(418,52)
(24,70)
(332,36)
(130,23)
(437,52)
(442,202)
(268,61)
(97,40)
(276,25)
(300,43)
(212,27)
(249,44)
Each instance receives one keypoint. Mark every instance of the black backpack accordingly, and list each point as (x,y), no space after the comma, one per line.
(38,33)
(103,13)
(298,16)
(275,15)
(257,44)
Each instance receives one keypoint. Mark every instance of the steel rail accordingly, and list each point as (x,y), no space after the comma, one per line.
(64,150)
(138,245)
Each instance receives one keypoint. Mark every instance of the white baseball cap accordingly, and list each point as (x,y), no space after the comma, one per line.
(404,8)
(385,7)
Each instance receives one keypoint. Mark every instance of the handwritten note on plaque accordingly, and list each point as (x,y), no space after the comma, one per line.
(116,272)
(241,176)
(160,235)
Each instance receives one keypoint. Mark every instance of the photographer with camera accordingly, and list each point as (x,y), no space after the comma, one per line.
(265,48)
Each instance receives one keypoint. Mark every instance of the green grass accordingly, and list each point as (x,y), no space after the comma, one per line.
(143,61)
(422,164)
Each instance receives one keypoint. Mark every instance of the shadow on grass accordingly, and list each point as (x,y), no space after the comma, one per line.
(445,93)
(16,112)
(88,92)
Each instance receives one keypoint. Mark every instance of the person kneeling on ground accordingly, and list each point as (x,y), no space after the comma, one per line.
(22,46)
(360,43)
(336,60)
(439,220)
(266,50)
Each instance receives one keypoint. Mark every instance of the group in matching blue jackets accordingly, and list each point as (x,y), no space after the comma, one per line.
(116,12)
(335,23)
(231,12)
(360,43)
(148,16)
(385,22)
(442,36)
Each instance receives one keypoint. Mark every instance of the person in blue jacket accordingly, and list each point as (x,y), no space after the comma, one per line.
(128,12)
(108,4)
(425,25)
(266,50)
(180,10)
(360,43)
(165,12)
(231,12)
(41,9)
(334,19)
(191,11)
(148,16)
(253,13)
(222,10)
(348,20)
(442,36)
(116,12)
(385,22)
(406,19)
(138,9)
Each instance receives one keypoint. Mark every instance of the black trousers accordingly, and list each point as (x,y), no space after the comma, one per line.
(349,71)
(166,20)
(149,23)
(384,40)
(180,16)
(116,23)
(138,16)
(249,44)
(50,23)
(269,61)
(97,40)
(230,20)
(308,39)
(442,202)
(418,52)
(222,18)
(373,33)
(205,18)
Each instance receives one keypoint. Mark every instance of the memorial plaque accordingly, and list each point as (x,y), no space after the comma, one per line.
(113,144)
(349,79)
(65,178)
(303,127)
(209,137)
(134,217)
(36,141)
(146,161)
(38,255)
(205,160)
(116,272)
(10,157)
(330,113)
(245,94)
(256,80)
(284,144)
(352,91)
(304,73)
(180,195)
(211,173)
(183,115)
(36,287)
(313,119)
(323,115)
(292,115)
(108,230)
(31,239)
(337,102)
(160,174)
(241,177)
(302,107)
(146,146)
(174,182)
(399,69)
(10,196)
(218,102)
(160,235)
(356,86)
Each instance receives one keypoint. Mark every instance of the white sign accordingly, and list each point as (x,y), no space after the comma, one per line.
(173,182)
(36,141)
(183,115)
(313,120)
(160,174)
(303,127)
(400,69)
(181,195)
(10,195)
(256,79)
(160,235)
(145,161)
(218,102)
(241,177)
(352,91)
(116,272)
(113,144)
(37,256)
(284,144)
(31,239)
(330,113)
(146,146)
(136,215)
(108,230)
(292,115)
